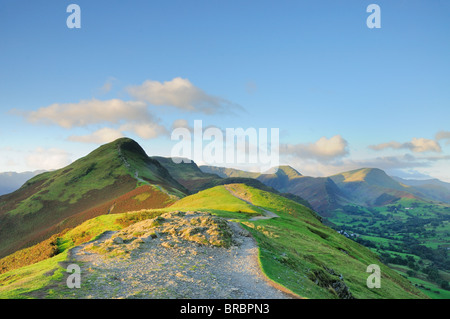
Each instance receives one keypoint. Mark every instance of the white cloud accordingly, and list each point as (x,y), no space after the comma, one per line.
(101,136)
(420,145)
(182,94)
(180,123)
(443,135)
(383,146)
(130,116)
(127,116)
(47,159)
(417,145)
(107,134)
(88,112)
(323,149)
(144,130)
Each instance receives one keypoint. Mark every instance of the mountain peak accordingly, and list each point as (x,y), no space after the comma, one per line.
(122,144)
(126,143)
(364,174)
(130,145)
(288,171)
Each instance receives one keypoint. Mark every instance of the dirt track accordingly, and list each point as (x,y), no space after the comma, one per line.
(188,270)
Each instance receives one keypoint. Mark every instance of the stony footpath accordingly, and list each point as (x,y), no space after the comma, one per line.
(267,213)
(176,255)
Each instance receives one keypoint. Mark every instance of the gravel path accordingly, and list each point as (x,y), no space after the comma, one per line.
(267,213)
(154,269)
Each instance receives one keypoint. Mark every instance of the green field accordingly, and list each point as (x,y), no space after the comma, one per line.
(412,235)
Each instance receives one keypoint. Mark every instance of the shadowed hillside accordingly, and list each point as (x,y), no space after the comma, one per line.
(432,188)
(187,174)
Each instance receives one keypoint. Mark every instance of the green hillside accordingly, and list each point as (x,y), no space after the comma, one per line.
(196,179)
(411,235)
(187,174)
(44,204)
(304,251)
(295,249)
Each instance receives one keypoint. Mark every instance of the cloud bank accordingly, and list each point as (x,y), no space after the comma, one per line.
(89,112)
(181,94)
(323,149)
(101,136)
(47,159)
(417,145)
(128,116)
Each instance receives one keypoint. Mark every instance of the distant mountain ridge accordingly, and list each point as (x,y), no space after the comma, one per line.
(371,187)
(366,187)
(320,192)
(194,179)
(433,188)
(11,181)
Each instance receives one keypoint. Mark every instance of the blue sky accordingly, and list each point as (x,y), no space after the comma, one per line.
(343,95)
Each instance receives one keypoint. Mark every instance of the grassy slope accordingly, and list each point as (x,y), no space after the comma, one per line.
(379,226)
(50,201)
(291,247)
(39,278)
(218,201)
(17,283)
(143,197)
(297,241)
(149,170)
(20,282)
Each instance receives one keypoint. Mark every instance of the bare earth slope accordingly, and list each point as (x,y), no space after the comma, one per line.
(174,264)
